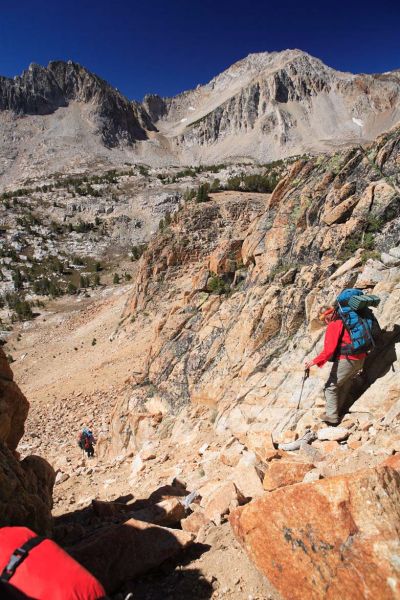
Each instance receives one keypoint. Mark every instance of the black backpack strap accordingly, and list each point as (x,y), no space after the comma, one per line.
(18,556)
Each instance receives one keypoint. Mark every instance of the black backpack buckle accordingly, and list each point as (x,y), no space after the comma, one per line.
(16,558)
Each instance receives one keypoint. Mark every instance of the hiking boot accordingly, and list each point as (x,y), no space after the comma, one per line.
(329,420)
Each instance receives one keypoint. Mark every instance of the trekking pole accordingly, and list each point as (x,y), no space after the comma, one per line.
(305,376)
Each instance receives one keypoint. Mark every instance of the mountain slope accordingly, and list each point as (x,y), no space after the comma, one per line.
(42,90)
(270,105)
(264,107)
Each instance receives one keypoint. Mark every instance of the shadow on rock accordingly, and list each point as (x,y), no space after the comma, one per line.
(185,584)
(125,552)
(377,364)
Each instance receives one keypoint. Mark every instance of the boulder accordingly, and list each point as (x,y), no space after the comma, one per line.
(105,509)
(280,474)
(334,538)
(13,406)
(194,522)
(247,480)
(224,499)
(231,453)
(167,512)
(176,489)
(389,260)
(333,434)
(262,444)
(26,492)
(340,212)
(126,551)
(373,273)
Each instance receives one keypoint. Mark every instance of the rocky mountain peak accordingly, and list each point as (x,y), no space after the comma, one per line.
(43,90)
(265,107)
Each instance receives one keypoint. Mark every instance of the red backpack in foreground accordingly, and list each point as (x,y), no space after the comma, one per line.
(41,570)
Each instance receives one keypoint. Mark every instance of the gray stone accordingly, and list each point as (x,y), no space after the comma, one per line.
(389,260)
(336,434)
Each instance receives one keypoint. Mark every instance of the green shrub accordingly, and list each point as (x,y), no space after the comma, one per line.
(71,288)
(216,285)
(202,193)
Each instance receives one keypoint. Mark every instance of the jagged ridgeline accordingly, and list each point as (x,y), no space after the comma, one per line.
(264,107)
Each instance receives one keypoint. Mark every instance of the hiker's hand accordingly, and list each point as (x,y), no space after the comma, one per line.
(308,365)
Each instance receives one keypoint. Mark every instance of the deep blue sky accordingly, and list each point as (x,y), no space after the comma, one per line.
(167,46)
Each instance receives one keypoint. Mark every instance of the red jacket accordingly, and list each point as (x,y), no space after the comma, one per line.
(47,572)
(331,341)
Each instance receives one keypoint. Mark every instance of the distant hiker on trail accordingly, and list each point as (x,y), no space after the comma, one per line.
(348,339)
(86,442)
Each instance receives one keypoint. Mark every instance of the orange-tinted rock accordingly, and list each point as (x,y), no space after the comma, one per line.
(230,455)
(223,259)
(126,551)
(393,462)
(199,281)
(247,480)
(194,522)
(261,443)
(225,498)
(330,539)
(328,447)
(280,474)
(354,444)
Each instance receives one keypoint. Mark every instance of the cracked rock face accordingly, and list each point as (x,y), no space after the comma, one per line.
(235,286)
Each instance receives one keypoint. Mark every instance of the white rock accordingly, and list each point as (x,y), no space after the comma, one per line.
(336,434)
(137,465)
(61,477)
(313,475)
(390,260)
(395,252)
(203,448)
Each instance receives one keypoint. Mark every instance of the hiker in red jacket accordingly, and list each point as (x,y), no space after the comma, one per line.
(343,369)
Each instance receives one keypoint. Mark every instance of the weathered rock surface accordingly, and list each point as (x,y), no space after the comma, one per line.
(335,538)
(336,434)
(280,473)
(26,486)
(42,90)
(222,501)
(241,349)
(126,551)
(26,492)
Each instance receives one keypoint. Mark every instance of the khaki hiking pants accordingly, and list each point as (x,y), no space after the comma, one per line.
(338,384)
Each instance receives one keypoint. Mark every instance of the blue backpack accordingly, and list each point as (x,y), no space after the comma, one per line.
(352,306)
